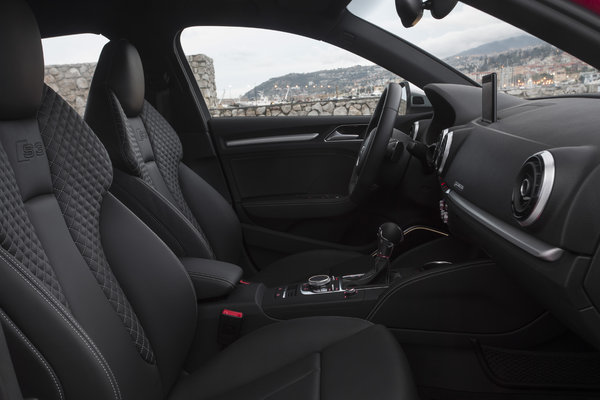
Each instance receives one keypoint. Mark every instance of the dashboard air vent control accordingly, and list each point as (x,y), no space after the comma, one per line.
(533,187)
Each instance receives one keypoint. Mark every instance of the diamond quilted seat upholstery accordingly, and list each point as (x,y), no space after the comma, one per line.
(81,174)
(95,306)
(177,204)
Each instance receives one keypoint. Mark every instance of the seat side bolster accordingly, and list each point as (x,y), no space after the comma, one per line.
(9,387)
(216,216)
(156,284)
(160,215)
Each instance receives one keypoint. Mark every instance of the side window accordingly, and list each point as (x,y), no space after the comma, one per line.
(70,62)
(247,72)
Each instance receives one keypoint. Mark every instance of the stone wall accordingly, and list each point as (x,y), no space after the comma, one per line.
(204,71)
(72,82)
(313,108)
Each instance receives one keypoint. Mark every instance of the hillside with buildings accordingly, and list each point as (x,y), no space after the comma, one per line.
(532,64)
(356,81)
(526,67)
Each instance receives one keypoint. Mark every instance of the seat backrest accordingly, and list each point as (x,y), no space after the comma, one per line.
(94,305)
(143,145)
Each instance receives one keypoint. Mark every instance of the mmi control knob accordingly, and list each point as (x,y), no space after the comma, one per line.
(319,281)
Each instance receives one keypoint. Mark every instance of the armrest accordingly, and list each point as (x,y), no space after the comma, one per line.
(212,278)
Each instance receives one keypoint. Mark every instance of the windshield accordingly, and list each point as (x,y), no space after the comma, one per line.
(477,44)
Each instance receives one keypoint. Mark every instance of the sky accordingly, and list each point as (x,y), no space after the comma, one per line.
(246,57)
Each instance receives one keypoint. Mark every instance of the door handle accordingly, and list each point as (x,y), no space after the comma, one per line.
(337,136)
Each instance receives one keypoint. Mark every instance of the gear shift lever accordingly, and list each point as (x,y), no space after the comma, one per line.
(388,236)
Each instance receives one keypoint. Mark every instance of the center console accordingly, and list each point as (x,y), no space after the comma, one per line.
(437,290)
(349,295)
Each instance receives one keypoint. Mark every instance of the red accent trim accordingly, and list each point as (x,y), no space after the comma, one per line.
(592,5)
(231,313)
(244,282)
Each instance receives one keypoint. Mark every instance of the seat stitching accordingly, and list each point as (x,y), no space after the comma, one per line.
(87,341)
(35,352)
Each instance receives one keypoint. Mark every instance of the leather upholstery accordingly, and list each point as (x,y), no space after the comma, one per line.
(160,189)
(21,90)
(212,278)
(308,358)
(27,358)
(9,387)
(160,215)
(113,314)
(81,174)
(142,144)
(119,68)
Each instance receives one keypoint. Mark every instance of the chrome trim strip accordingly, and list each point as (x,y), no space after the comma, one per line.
(337,136)
(304,137)
(546,188)
(524,241)
(449,135)
(415,130)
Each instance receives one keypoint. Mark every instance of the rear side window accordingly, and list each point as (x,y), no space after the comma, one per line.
(70,62)
(248,72)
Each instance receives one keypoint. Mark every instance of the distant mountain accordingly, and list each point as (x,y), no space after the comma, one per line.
(365,80)
(330,82)
(501,46)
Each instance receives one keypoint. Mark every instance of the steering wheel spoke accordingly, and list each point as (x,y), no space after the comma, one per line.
(374,147)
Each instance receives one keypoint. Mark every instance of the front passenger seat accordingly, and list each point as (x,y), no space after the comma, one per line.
(177,204)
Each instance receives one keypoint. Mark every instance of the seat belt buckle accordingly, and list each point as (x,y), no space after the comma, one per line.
(230,326)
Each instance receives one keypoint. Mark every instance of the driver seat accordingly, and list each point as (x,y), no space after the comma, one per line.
(188,214)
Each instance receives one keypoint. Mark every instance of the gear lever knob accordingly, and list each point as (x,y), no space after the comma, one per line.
(389,235)
(391,232)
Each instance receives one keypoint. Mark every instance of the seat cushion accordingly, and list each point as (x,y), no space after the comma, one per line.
(300,266)
(307,358)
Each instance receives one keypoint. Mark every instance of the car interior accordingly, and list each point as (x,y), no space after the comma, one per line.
(441,246)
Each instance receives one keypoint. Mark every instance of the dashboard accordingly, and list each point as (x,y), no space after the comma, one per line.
(526,188)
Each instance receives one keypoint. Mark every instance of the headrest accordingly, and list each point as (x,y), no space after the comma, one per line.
(120,69)
(21,61)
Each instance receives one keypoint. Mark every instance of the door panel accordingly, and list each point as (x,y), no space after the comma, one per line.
(287,158)
(289,181)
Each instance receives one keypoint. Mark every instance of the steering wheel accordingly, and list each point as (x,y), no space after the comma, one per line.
(374,147)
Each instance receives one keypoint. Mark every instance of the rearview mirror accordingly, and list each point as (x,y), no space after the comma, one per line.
(411,11)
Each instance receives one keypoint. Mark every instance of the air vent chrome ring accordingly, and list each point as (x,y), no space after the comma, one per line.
(533,187)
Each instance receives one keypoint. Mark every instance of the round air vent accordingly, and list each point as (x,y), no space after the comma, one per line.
(533,187)
(442,150)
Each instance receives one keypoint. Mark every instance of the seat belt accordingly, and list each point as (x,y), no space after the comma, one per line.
(9,386)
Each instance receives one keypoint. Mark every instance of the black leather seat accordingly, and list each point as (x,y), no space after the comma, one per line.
(177,204)
(95,306)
